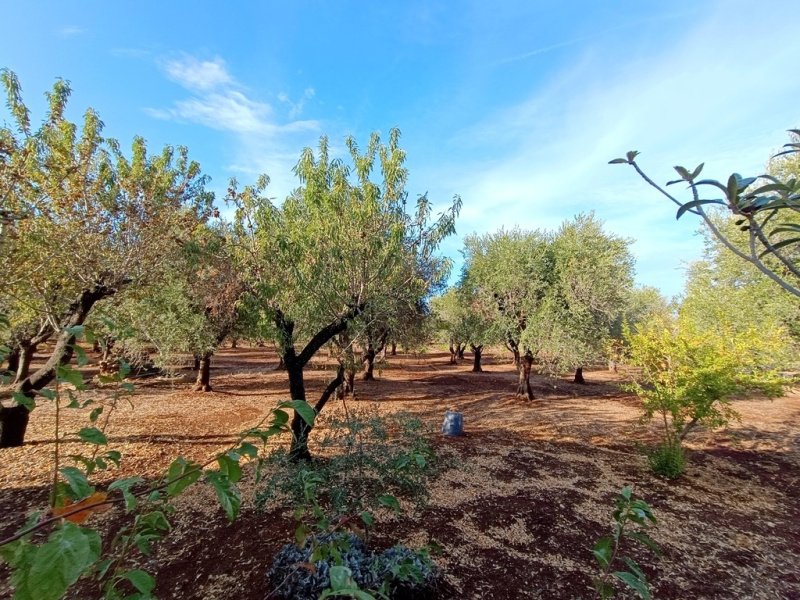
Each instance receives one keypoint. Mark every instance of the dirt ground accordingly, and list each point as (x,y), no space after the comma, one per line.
(524,495)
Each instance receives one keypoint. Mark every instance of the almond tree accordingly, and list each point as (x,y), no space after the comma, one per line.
(336,249)
(81,222)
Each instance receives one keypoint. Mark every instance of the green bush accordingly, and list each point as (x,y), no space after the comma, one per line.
(667,460)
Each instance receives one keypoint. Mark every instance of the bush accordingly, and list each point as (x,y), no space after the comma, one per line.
(304,573)
(364,458)
(667,460)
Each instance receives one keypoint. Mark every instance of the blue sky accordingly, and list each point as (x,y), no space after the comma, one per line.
(517,106)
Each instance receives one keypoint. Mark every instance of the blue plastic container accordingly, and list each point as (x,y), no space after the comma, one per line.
(453,423)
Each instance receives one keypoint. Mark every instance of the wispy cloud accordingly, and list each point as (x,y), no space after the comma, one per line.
(71,31)
(265,140)
(698,99)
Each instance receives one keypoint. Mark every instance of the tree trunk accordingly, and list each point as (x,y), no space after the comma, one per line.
(13,423)
(203,382)
(524,385)
(14,420)
(514,348)
(281,366)
(579,376)
(369,362)
(196,363)
(453,354)
(234,341)
(25,358)
(13,360)
(394,348)
(461,348)
(476,353)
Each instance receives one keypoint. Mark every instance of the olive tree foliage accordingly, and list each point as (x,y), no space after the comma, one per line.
(81,221)
(763,207)
(591,283)
(461,320)
(338,251)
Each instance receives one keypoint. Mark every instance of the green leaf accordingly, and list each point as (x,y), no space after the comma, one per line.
(69,375)
(341,577)
(58,563)
(367,518)
(645,539)
(631,155)
(302,408)
(626,492)
(113,456)
(632,581)
(602,551)
(23,400)
(618,161)
(95,414)
(47,393)
(248,449)
(77,482)
(228,496)
(125,485)
(229,467)
(181,474)
(694,204)
(92,435)
(80,355)
(389,501)
(279,417)
(141,580)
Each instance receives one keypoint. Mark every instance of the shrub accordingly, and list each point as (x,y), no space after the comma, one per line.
(667,460)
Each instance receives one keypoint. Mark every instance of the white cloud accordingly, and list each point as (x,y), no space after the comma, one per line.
(704,97)
(197,75)
(264,142)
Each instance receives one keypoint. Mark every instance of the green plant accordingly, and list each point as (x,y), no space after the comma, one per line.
(632,518)
(56,547)
(667,460)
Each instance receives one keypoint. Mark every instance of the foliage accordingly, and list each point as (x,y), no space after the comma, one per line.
(592,279)
(689,377)
(764,207)
(339,564)
(368,460)
(632,519)
(52,550)
(667,460)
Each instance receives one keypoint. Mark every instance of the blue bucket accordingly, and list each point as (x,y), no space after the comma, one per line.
(453,423)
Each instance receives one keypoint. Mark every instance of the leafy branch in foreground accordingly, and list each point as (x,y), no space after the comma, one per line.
(632,518)
(765,207)
(44,569)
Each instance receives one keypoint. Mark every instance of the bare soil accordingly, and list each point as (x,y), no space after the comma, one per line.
(521,500)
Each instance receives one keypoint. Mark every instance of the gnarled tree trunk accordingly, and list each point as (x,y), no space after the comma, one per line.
(514,348)
(453,354)
(461,349)
(14,419)
(579,376)
(26,356)
(394,348)
(203,382)
(477,351)
(524,368)
(13,359)
(369,362)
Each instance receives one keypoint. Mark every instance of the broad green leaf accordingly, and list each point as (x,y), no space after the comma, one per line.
(141,580)
(632,581)
(93,435)
(367,518)
(645,539)
(47,393)
(77,482)
(95,414)
(227,494)
(341,577)
(181,474)
(618,161)
(248,449)
(67,554)
(125,485)
(69,375)
(602,551)
(389,501)
(80,355)
(694,204)
(302,408)
(76,330)
(229,467)
(23,400)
